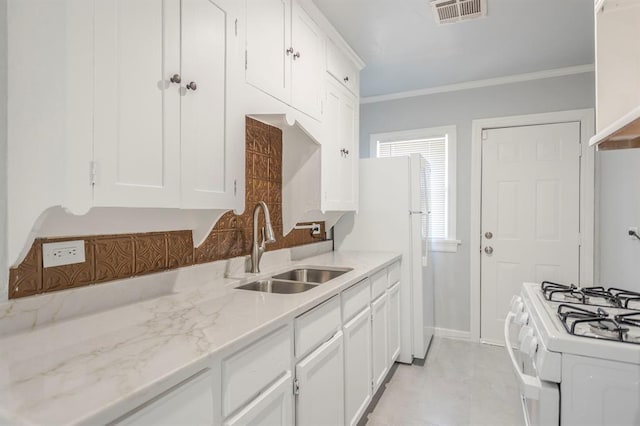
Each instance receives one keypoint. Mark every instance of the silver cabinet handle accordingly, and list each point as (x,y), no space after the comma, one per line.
(289,51)
(488,250)
(192,86)
(175,78)
(488,235)
(344,152)
(296,56)
(346,79)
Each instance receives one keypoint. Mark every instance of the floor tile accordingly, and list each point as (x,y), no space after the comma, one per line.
(461,383)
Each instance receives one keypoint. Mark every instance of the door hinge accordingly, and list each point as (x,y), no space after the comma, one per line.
(235,187)
(485,135)
(92,173)
(246,59)
(580,150)
(296,387)
(236,24)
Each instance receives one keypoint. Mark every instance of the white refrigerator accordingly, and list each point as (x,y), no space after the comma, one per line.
(393,216)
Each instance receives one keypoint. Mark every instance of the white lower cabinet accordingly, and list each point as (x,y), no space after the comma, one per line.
(319,385)
(357,366)
(272,407)
(393,318)
(189,403)
(379,338)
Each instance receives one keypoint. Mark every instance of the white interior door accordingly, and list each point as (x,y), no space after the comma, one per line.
(530,214)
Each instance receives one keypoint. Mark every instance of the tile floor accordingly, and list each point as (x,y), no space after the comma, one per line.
(461,383)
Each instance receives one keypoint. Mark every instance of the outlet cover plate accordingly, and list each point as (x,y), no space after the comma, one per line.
(64,253)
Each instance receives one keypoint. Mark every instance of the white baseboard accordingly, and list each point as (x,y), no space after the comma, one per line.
(452,334)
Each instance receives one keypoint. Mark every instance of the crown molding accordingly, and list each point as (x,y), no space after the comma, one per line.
(516,78)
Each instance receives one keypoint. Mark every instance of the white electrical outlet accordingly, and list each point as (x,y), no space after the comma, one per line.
(315,229)
(631,230)
(64,253)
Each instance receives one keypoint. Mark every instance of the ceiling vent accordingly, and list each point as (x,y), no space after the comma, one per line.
(447,11)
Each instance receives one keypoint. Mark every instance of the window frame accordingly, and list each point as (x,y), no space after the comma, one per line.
(450,243)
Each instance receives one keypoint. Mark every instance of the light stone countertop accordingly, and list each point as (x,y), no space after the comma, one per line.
(95,367)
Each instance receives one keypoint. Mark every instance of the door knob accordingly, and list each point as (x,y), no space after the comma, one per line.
(192,86)
(175,78)
(488,235)
(488,250)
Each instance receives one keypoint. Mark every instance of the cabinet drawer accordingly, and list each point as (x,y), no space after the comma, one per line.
(394,273)
(248,372)
(379,283)
(339,66)
(317,326)
(355,299)
(189,403)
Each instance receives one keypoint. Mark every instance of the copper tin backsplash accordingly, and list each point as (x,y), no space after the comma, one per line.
(112,257)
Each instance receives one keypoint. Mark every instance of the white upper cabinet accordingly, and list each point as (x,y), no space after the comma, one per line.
(284,53)
(212,130)
(340,150)
(162,69)
(617,73)
(342,69)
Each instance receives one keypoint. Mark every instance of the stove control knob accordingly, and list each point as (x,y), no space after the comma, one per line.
(516,304)
(525,332)
(532,348)
(522,318)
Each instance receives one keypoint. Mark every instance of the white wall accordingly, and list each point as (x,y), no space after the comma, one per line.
(3,149)
(460,108)
(618,257)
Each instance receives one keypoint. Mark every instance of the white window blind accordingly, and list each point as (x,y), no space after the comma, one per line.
(434,150)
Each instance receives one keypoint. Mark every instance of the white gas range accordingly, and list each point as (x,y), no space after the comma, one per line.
(576,354)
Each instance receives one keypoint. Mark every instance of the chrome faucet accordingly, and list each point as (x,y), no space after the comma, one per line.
(268,236)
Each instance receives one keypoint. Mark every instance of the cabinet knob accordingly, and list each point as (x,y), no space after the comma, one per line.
(192,86)
(289,51)
(296,56)
(346,79)
(344,152)
(175,78)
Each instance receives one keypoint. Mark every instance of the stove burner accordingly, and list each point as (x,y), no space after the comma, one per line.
(599,323)
(577,297)
(628,299)
(607,330)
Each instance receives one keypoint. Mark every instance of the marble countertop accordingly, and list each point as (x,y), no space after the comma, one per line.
(93,368)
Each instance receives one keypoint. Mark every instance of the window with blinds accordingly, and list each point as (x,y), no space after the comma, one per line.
(434,150)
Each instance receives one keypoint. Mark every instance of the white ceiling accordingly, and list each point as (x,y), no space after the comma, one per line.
(405,49)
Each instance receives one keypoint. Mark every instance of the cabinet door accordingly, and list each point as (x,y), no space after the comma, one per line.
(393,332)
(209,63)
(379,340)
(357,366)
(320,385)
(307,71)
(340,150)
(136,107)
(272,407)
(190,403)
(268,62)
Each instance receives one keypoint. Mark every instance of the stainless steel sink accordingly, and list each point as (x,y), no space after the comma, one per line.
(312,275)
(277,286)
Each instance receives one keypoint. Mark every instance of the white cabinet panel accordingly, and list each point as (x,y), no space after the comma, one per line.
(188,404)
(393,332)
(248,372)
(320,385)
(272,407)
(357,366)
(307,66)
(379,340)
(136,108)
(340,150)
(340,67)
(355,299)
(268,43)
(316,326)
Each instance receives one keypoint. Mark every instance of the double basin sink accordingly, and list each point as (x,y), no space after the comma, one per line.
(296,280)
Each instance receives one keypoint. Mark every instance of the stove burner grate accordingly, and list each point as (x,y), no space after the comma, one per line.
(599,323)
(592,296)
